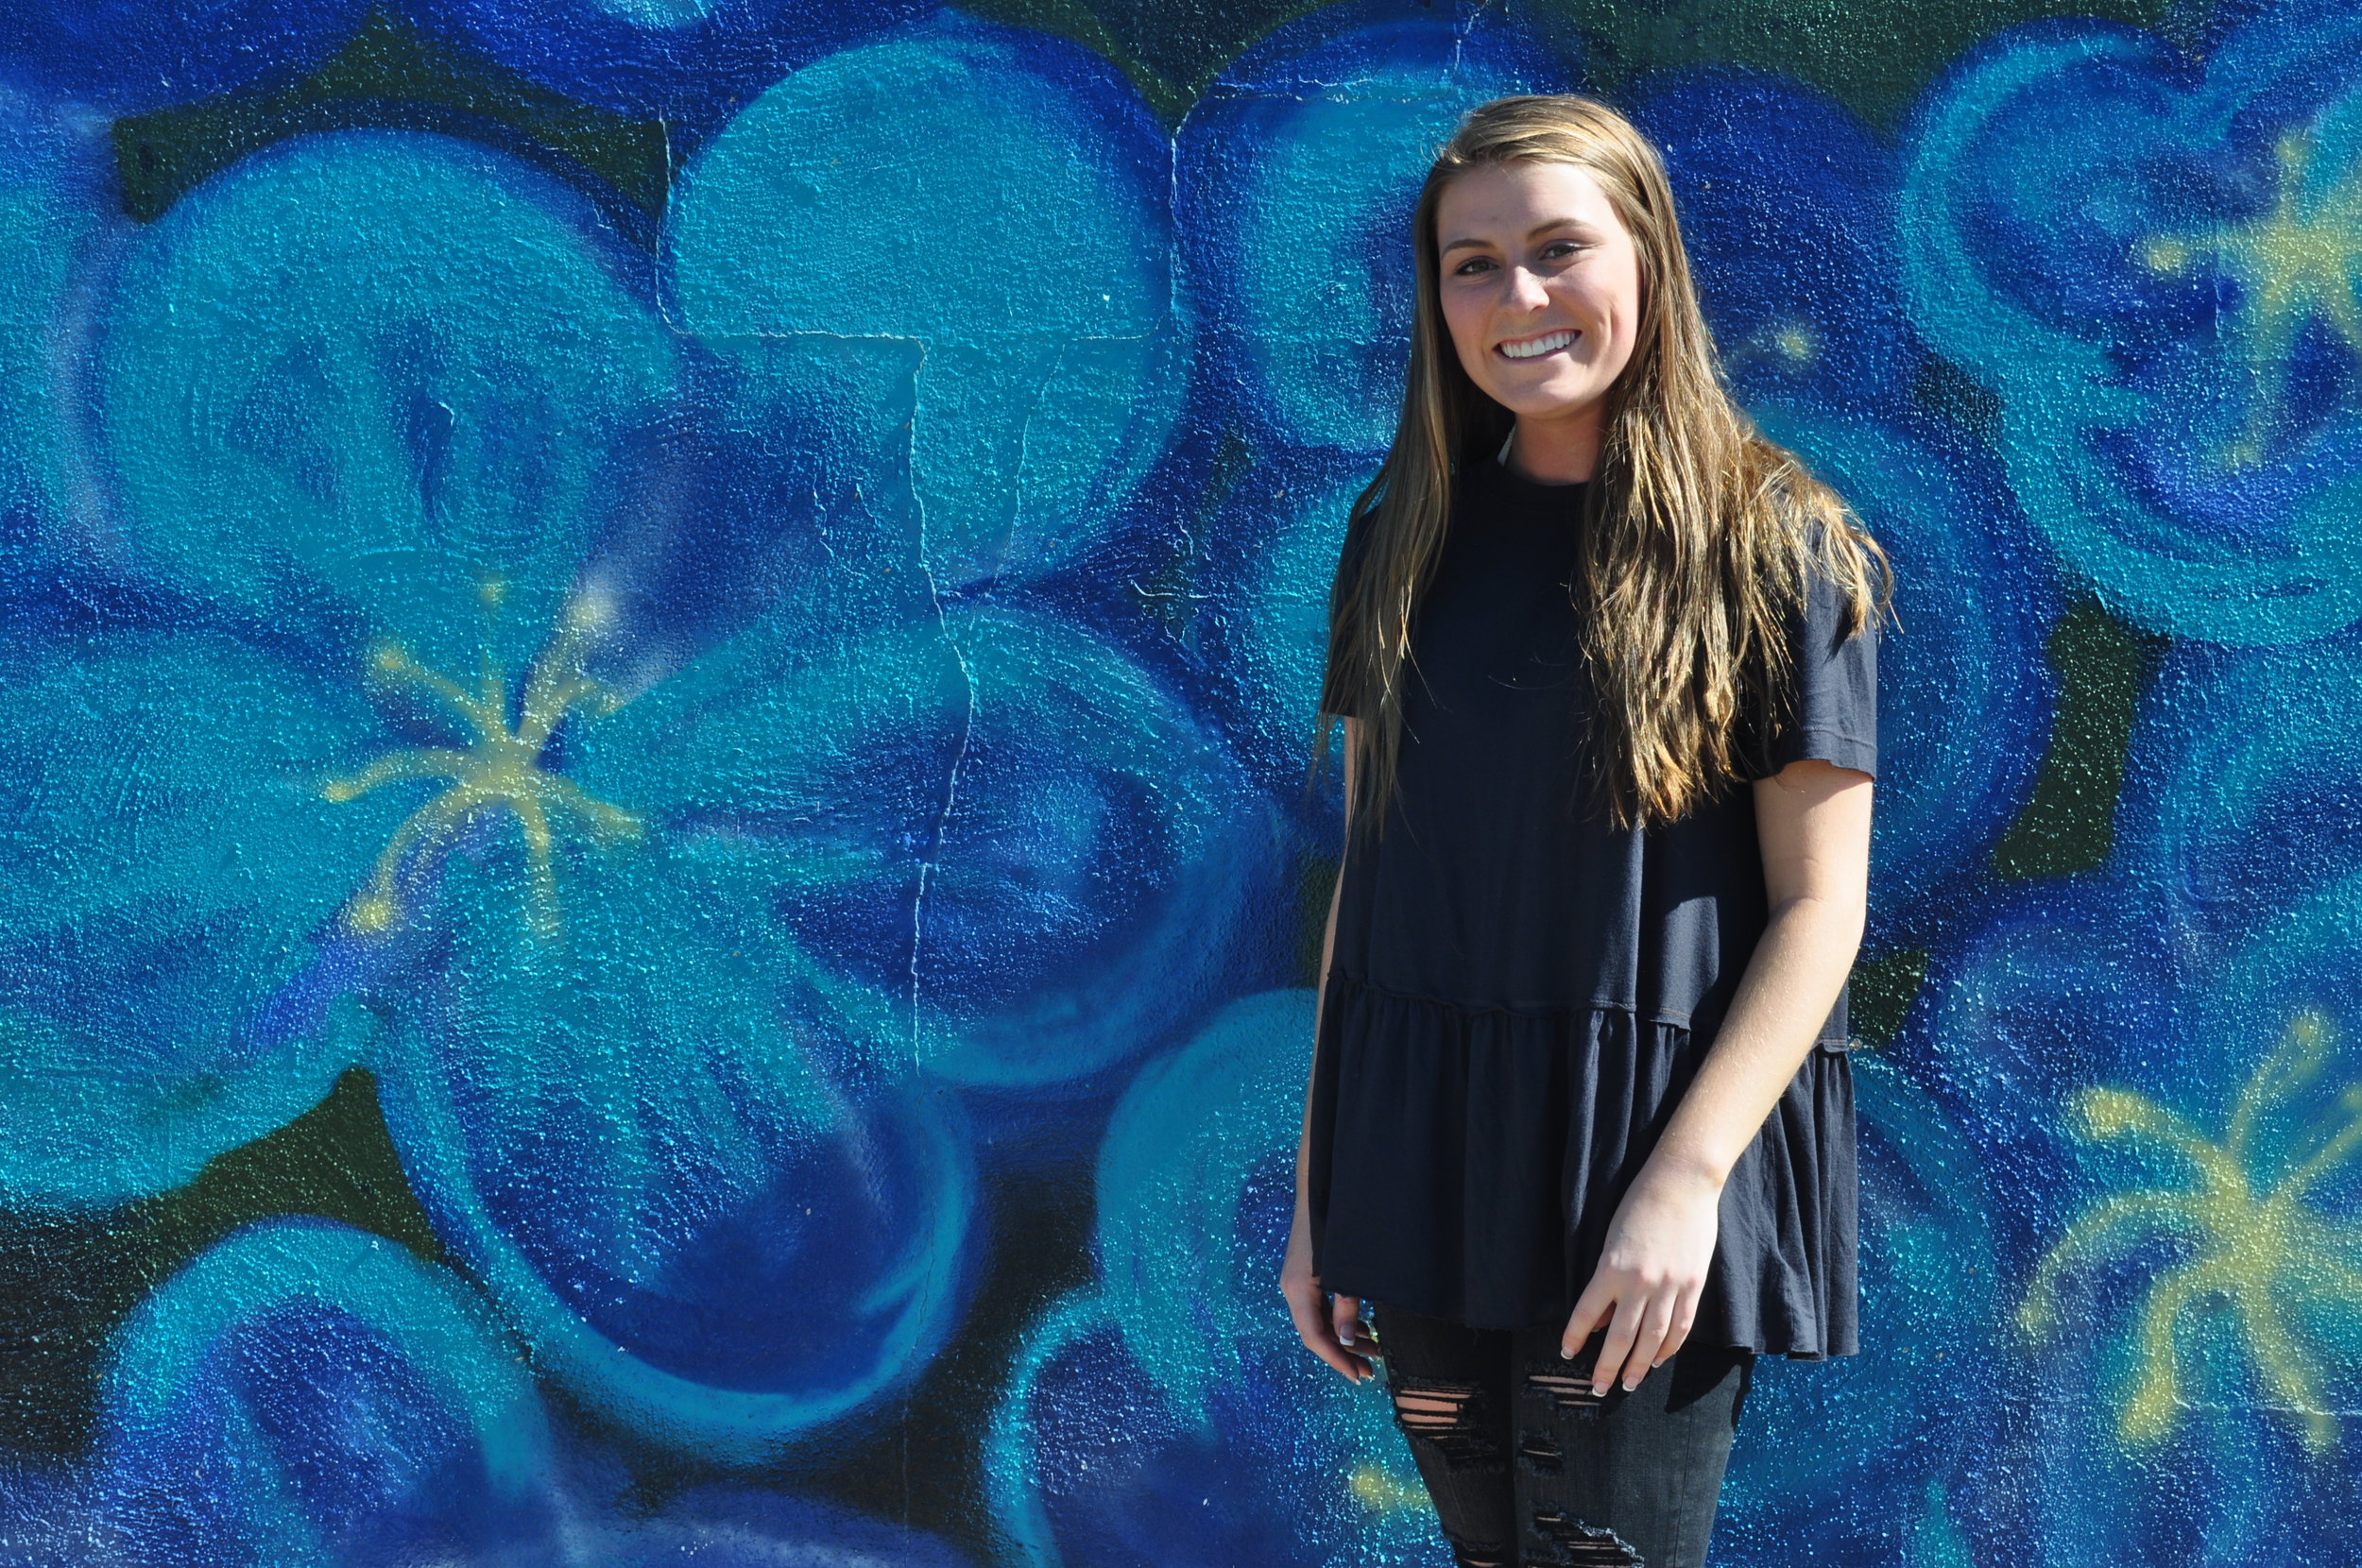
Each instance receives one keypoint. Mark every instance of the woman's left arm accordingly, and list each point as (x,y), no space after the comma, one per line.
(1813,820)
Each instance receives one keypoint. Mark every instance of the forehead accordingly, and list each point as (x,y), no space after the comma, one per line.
(1503,202)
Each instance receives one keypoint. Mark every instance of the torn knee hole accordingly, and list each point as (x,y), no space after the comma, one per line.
(1444,1416)
(1582,1545)
(1433,1405)
(1566,1391)
(1538,1450)
(1467,1555)
(1430,1412)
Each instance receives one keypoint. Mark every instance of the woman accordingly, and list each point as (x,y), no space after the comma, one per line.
(1580,1129)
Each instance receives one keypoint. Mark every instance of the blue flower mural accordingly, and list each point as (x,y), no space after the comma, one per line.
(711,896)
(2236,796)
(303,1393)
(1015,273)
(2179,1284)
(1294,177)
(1789,204)
(689,62)
(736,771)
(125,56)
(2152,266)
(1169,1415)
(1297,172)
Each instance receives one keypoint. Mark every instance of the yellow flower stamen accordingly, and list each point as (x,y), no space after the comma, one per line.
(500,770)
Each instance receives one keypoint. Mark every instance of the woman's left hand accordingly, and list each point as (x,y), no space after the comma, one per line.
(1650,1274)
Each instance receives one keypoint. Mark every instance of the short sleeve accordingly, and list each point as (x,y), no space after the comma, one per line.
(1834,715)
(1342,692)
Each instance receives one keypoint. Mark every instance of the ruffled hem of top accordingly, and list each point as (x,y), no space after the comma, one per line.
(1466,1160)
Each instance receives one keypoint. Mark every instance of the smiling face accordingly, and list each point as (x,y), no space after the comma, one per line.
(1539,283)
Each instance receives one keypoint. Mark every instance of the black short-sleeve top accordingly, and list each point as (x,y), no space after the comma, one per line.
(1518,993)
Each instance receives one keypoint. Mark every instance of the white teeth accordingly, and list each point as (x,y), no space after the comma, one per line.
(1539,345)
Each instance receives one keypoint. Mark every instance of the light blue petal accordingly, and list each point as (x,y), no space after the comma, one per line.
(306,1393)
(60,218)
(2243,786)
(1251,1453)
(170,856)
(636,1143)
(1181,1275)
(1298,171)
(2146,268)
(1006,853)
(1282,528)
(377,378)
(997,199)
(684,61)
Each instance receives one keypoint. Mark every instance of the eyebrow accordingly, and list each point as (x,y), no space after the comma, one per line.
(1534,233)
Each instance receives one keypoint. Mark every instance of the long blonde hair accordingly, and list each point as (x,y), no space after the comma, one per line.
(1698,530)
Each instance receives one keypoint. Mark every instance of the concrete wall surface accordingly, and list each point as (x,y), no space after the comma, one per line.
(657,891)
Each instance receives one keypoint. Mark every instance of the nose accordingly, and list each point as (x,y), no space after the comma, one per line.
(1526,290)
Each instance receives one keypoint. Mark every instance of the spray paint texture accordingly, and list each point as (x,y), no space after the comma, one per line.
(702,618)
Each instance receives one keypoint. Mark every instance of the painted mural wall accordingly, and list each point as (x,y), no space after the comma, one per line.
(656,887)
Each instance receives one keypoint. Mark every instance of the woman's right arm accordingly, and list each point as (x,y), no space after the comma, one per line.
(1330,1328)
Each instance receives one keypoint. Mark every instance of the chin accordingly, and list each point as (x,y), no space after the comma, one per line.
(1533,404)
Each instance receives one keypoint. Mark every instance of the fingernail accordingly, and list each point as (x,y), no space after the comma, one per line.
(1565,1355)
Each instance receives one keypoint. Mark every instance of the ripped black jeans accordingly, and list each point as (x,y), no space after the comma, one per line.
(1526,1466)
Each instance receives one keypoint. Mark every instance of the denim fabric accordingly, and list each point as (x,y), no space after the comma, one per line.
(1525,1466)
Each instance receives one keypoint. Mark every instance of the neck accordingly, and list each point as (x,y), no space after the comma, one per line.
(1560,451)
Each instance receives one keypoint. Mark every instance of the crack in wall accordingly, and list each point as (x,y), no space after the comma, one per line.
(1024,447)
(968,728)
(950,800)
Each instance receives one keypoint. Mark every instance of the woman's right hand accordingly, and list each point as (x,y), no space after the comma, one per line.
(1330,1327)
